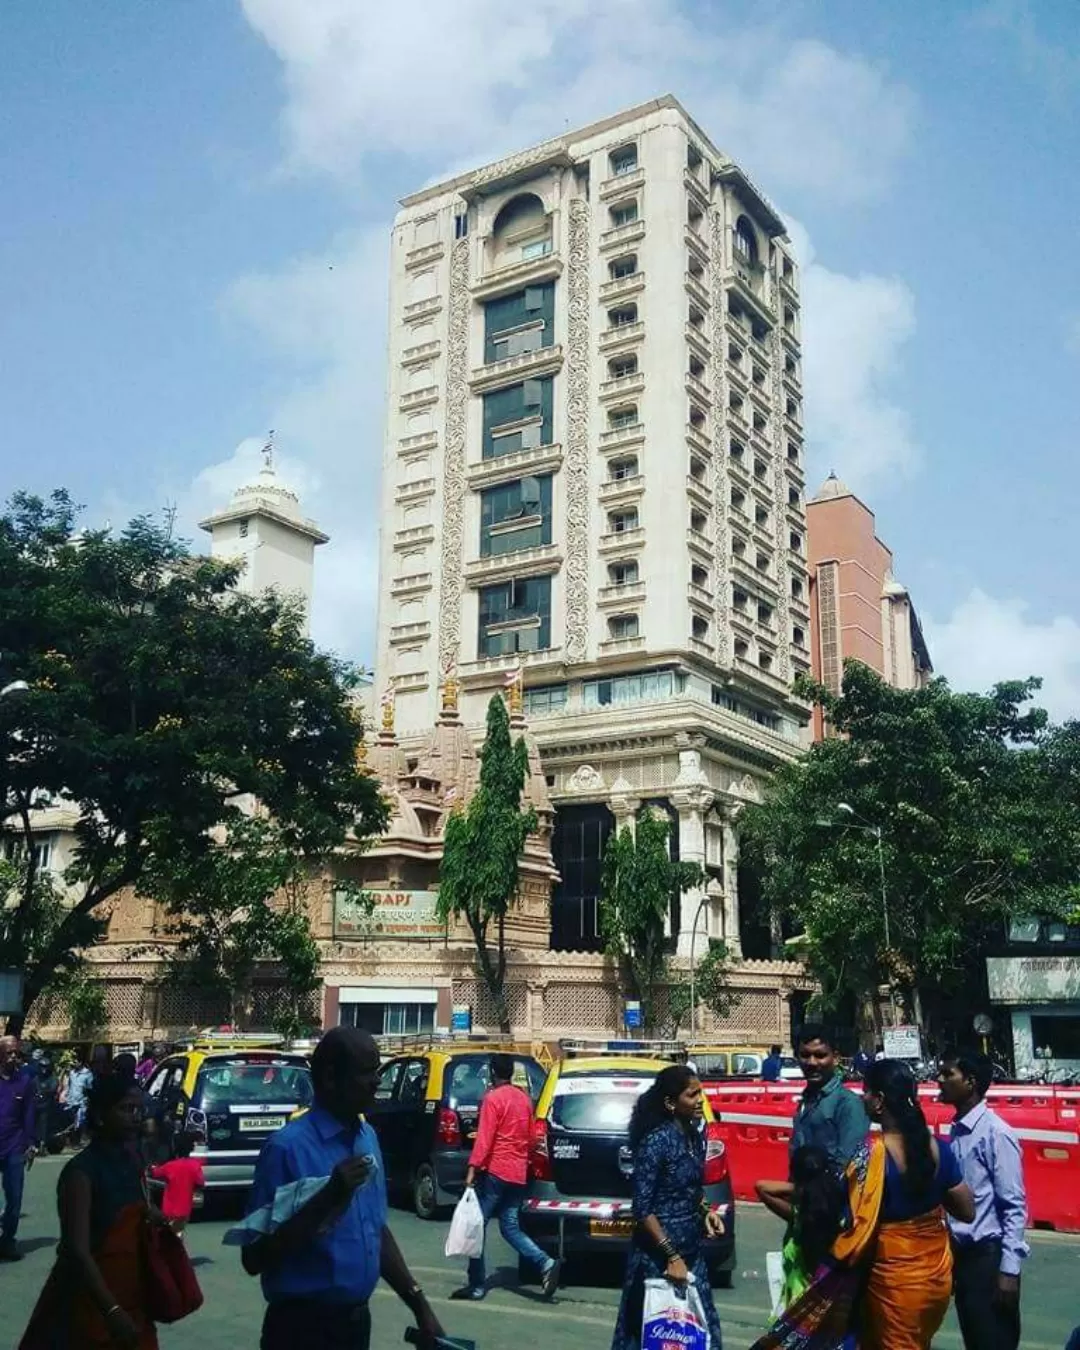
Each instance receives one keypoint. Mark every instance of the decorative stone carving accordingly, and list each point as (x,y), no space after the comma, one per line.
(576,571)
(586,779)
(690,771)
(457,405)
(722,533)
(514,163)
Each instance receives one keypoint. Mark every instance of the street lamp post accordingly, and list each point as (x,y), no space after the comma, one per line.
(878,834)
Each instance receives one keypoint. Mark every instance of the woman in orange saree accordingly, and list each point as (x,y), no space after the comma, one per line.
(96,1295)
(887,1281)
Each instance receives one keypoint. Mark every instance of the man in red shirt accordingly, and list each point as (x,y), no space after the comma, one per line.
(498,1168)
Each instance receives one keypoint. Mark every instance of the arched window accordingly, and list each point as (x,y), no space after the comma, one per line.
(522,226)
(745,240)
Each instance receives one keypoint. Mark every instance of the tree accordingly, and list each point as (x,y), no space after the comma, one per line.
(481,851)
(234,908)
(162,701)
(640,880)
(972,829)
(712,989)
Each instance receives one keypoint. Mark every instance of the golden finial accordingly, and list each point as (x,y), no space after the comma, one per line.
(515,691)
(450,694)
(388,710)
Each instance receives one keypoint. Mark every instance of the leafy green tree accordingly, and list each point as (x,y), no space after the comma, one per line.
(84,999)
(712,989)
(640,880)
(972,828)
(161,698)
(234,908)
(482,848)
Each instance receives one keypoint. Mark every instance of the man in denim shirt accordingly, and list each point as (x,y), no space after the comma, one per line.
(988,1252)
(321,1266)
(828,1115)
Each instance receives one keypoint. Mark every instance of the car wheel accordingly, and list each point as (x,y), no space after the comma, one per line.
(425,1192)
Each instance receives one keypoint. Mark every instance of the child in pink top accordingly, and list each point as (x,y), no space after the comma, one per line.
(183,1176)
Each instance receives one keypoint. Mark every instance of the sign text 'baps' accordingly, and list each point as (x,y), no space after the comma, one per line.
(400,914)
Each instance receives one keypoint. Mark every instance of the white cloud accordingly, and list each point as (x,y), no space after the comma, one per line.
(466,81)
(986,640)
(854,333)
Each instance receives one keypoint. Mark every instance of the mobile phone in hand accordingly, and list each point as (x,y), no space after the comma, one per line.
(412,1335)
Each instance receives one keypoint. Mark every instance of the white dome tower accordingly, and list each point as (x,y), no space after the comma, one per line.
(263,528)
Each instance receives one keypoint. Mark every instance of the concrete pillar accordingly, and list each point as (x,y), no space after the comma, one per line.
(730,925)
(691,803)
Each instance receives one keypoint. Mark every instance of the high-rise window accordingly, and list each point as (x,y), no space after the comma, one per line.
(515,515)
(515,616)
(624,160)
(518,417)
(521,322)
(623,213)
(461,224)
(623,626)
(745,241)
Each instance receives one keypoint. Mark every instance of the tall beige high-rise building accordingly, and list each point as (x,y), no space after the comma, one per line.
(593,470)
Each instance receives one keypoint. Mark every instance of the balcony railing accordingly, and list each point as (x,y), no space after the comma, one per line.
(419,398)
(427,253)
(617,488)
(616,646)
(622,539)
(621,182)
(419,309)
(426,440)
(623,384)
(622,234)
(415,489)
(617,286)
(626,435)
(540,361)
(699,438)
(619,595)
(621,334)
(414,581)
(420,351)
(415,534)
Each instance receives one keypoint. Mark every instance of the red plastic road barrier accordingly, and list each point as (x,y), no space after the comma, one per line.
(756,1122)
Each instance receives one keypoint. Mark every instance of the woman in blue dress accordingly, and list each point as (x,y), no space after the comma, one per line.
(669,1204)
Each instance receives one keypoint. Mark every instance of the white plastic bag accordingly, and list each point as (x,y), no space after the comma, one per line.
(673,1317)
(466,1235)
(774,1271)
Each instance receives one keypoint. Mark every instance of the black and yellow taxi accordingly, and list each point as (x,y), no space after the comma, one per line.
(581,1168)
(427,1105)
(231,1093)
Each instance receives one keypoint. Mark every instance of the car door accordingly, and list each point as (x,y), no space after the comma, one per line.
(412,1122)
(382,1117)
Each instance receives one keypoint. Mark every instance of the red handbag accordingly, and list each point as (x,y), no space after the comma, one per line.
(172,1288)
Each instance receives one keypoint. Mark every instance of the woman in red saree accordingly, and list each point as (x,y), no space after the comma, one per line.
(96,1296)
(888,1279)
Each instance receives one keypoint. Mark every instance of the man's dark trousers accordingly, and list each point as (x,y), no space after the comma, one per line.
(984,1324)
(13,1178)
(312,1324)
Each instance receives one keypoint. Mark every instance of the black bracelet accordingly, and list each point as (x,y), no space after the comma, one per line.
(668,1249)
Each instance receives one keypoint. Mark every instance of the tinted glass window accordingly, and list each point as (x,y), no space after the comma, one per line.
(710,1065)
(240,1082)
(388,1081)
(413,1083)
(467,1079)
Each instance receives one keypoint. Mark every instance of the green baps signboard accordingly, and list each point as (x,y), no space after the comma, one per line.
(395,914)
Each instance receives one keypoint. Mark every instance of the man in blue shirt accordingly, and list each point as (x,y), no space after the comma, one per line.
(828,1115)
(770,1066)
(321,1266)
(16,1140)
(989,1251)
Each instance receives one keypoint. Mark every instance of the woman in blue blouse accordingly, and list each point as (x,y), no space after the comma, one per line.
(669,1203)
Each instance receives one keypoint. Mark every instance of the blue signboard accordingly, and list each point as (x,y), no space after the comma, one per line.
(632,1015)
(461,1018)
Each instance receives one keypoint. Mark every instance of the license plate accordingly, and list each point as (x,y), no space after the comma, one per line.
(611,1228)
(248,1124)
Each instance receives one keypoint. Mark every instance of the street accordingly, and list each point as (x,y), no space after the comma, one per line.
(582,1313)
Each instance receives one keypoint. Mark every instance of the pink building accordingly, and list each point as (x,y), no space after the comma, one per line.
(857,608)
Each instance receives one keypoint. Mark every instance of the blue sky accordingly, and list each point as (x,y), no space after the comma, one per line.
(194,232)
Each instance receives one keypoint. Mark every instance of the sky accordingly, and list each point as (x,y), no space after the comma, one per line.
(194,235)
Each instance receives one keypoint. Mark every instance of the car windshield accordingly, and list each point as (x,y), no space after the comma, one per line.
(243,1082)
